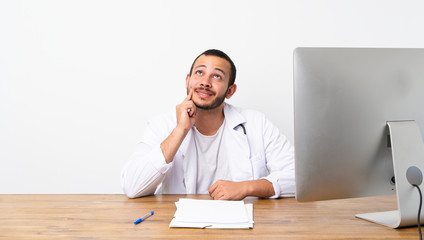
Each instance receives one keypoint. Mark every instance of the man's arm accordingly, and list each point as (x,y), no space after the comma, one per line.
(186,116)
(146,168)
(228,190)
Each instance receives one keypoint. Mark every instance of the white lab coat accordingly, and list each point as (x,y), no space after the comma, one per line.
(260,153)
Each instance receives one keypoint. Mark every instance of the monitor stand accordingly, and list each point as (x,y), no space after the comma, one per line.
(407,151)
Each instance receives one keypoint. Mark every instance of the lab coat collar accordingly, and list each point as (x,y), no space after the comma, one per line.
(189,162)
(237,145)
(232,117)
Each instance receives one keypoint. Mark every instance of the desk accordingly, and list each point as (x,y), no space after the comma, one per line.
(112,216)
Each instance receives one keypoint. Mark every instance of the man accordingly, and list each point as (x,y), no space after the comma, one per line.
(210,147)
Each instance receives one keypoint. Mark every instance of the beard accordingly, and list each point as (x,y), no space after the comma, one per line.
(214,104)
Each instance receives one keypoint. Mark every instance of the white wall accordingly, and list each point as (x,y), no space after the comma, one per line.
(79,79)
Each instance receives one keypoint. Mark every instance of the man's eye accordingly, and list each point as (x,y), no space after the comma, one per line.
(198,72)
(217,77)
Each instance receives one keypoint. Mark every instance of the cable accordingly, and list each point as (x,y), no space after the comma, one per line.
(419,211)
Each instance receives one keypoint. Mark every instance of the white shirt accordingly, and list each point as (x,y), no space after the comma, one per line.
(211,166)
(261,153)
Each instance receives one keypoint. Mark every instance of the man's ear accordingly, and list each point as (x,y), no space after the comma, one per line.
(187,79)
(231,90)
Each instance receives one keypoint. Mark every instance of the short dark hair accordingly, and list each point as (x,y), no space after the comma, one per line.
(221,54)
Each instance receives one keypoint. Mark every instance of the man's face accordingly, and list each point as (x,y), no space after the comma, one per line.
(209,80)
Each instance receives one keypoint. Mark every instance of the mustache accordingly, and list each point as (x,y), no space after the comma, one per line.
(204,89)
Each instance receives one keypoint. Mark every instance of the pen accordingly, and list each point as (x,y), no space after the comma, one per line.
(144,217)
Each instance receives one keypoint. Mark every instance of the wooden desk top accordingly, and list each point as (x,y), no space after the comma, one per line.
(112,217)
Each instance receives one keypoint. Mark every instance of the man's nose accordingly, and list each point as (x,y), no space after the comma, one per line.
(205,82)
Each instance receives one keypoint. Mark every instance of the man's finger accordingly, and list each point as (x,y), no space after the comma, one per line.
(214,194)
(189,95)
(191,108)
(212,188)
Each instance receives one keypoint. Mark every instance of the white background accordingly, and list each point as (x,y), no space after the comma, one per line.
(80,78)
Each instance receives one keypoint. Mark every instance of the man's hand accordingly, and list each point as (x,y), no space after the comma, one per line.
(186,113)
(227,190)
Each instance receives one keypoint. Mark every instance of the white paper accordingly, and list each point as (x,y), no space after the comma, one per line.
(194,213)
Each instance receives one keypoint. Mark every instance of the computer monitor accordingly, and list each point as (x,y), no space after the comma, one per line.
(355,108)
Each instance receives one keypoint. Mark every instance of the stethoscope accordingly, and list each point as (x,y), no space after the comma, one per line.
(242,126)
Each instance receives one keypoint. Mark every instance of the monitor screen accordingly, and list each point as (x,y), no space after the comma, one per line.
(343,100)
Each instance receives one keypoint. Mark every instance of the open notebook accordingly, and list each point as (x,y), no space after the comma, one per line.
(194,213)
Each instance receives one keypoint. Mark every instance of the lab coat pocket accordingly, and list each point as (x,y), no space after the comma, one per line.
(258,166)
